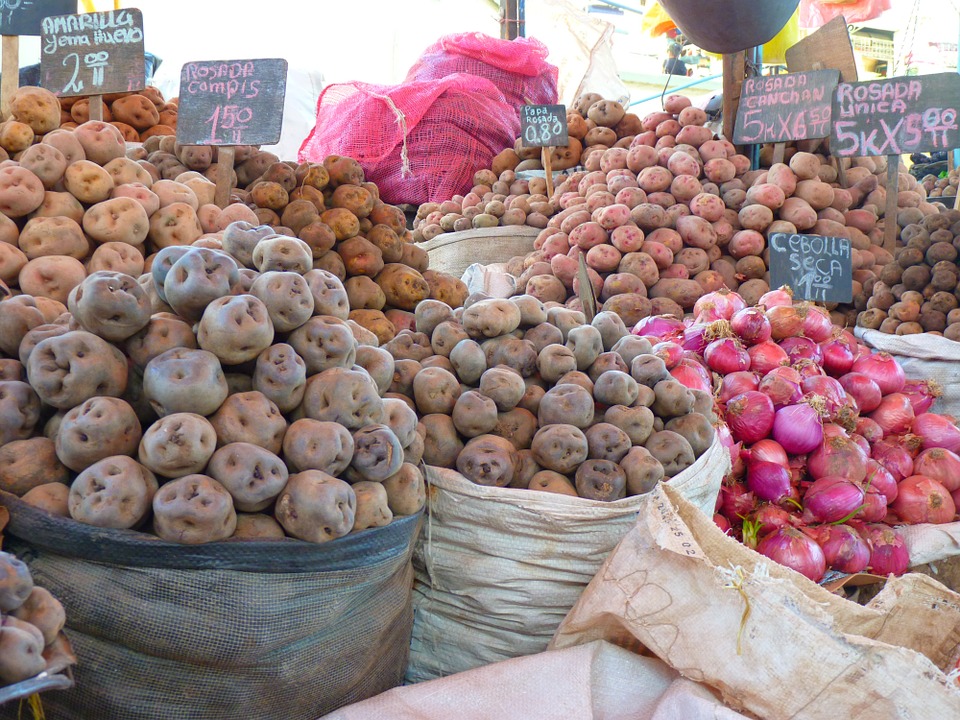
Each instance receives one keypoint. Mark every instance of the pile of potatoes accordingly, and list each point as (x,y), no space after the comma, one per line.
(679,213)
(919,291)
(942,187)
(524,394)
(137,115)
(209,401)
(30,622)
(498,197)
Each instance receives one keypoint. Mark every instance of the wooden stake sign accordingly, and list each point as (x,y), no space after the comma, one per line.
(92,54)
(544,126)
(228,103)
(22,17)
(585,290)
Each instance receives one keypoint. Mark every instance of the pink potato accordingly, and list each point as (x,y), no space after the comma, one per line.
(598,197)
(694,259)
(641,265)
(746,242)
(21,192)
(805,165)
(720,170)
(663,199)
(712,149)
(558,244)
(682,164)
(627,238)
(564,268)
(740,162)
(667,236)
(676,272)
(578,217)
(661,254)
(755,217)
(613,158)
(818,194)
(676,103)
(651,121)
(668,128)
(631,197)
(588,235)
(101,141)
(613,216)
(641,157)
(683,292)
(707,206)
(622,284)
(617,180)
(603,258)
(798,212)
(766,194)
(649,216)
(694,134)
(696,232)
(685,187)
(667,141)
(783,177)
(724,230)
(654,179)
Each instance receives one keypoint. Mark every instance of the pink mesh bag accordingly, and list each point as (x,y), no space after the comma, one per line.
(518,67)
(419,141)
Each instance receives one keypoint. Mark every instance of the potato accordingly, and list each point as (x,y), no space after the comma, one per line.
(435,390)
(192,510)
(403,286)
(672,451)
(379,364)
(406,491)
(16,583)
(44,612)
(329,295)
(474,414)
(695,428)
(317,445)
(377,453)
(96,429)
(252,475)
(316,507)
(249,417)
(324,342)
(112,305)
(672,399)
(643,471)
(68,369)
(46,162)
(182,379)
(344,396)
(21,655)
(468,360)
(257,526)
(52,277)
(114,492)
(559,447)
(373,508)
(175,224)
(178,445)
(29,463)
(601,480)
(49,497)
(488,460)
(21,192)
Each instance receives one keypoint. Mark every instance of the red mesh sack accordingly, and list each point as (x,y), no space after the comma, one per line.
(418,141)
(816,13)
(517,67)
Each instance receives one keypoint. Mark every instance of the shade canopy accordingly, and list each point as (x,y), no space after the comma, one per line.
(729,26)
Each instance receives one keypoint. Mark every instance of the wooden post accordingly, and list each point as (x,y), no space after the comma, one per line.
(890,213)
(841,171)
(96,107)
(778,151)
(225,156)
(587,297)
(546,159)
(734,69)
(10,66)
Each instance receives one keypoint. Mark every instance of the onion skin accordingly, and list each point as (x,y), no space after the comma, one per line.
(750,416)
(771,518)
(659,326)
(892,455)
(721,522)
(780,389)
(838,456)
(884,370)
(831,499)
(725,356)
(843,548)
(736,383)
(773,298)
(798,429)
(736,500)
(751,326)
(888,552)
(670,352)
(880,479)
(941,465)
(766,451)
(817,324)
(874,507)
(793,549)
(923,500)
(922,393)
(865,392)
(801,348)
(768,481)
(894,414)
(785,321)
(869,429)
(692,374)
(766,356)
(936,431)
(838,356)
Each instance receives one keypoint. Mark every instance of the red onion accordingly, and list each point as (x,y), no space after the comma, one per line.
(883,370)
(780,389)
(768,481)
(817,324)
(721,522)
(839,354)
(736,383)
(751,325)
(793,549)
(670,352)
(797,465)
(808,368)
(717,305)
(831,429)
(750,416)
(888,552)
(941,465)
(843,548)
(772,517)
(737,500)
(894,414)
(766,451)
(894,457)
(936,431)
(829,389)
(659,326)
(862,443)
(956,497)
(785,321)
(773,298)
(694,338)
(838,457)
(874,507)
(879,478)
(865,392)
(923,500)
(801,348)
(869,429)
(833,498)
(725,356)
(798,428)
(767,355)
(693,375)
(738,465)
(922,393)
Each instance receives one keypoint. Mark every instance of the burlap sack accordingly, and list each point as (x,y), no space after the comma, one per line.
(597,680)
(769,640)
(282,630)
(497,569)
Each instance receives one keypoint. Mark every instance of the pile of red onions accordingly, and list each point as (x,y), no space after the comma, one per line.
(831,446)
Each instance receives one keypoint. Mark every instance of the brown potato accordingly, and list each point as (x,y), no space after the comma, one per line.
(474,414)
(378,363)
(193,509)
(403,286)
(119,219)
(235,328)
(101,141)
(316,507)
(18,315)
(29,463)
(635,422)
(252,475)
(441,444)
(504,386)
(401,419)
(111,305)
(177,445)
(318,445)
(182,379)
(53,236)
(36,107)
(601,480)
(287,298)
(163,332)
(21,192)
(488,460)
(252,418)
(115,492)
(607,442)
(195,279)
(96,429)
(377,453)
(68,369)
(281,375)
(117,257)
(51,276)
(46,162)
(672,450)
(567,403)
(44,612)
(560,448)
(21,655)
(125,171)
(344,396)
(283,253)
(435,390)
(175,224)
(329,295)
(406,491)
(553,482)
(373,508)
(12,261)
(257,526)
(136,110)
(50,497)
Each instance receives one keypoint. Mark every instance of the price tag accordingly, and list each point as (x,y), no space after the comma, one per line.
(231,102)
(814,267)
(781,108)
(23,17)
(896,116)
(543,126)
(92,53)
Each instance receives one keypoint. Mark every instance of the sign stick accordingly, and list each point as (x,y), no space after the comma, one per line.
(778,151)
(96,107)
(10,66)
(225,156)
(587,297)
(890,213)
(546,157)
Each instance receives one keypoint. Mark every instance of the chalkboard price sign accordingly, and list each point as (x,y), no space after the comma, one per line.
(814,267)
(543,126)
(781,108)
(23,17)
(231,102)
(896,116)
(92,53)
